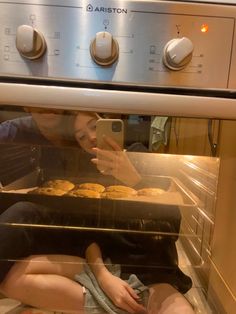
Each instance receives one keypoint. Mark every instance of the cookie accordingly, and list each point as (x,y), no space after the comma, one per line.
(84,193)
(122,189)
(60,184)
(115,194)
(92,186)
(48,191)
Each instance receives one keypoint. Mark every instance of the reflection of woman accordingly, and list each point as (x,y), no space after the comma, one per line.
(115,162)
(47,281)
(42,127)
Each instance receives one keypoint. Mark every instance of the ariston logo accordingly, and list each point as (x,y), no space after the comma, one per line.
(90,8)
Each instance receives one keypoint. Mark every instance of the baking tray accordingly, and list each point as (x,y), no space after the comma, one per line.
(160,214)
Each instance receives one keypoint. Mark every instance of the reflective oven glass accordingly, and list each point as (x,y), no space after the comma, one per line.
(155,200)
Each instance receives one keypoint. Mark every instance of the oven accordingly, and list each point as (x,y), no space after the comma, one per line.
(168,70)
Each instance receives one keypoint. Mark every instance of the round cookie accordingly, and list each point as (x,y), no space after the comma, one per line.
(92,186)
(121,189)
(84,193)
(115,194)
(60,184)
(48,191)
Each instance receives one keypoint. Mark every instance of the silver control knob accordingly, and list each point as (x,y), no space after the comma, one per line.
(29,42)
(177,53)
(104,49)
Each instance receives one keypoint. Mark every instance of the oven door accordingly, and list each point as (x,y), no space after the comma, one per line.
(183,203)
(163,207)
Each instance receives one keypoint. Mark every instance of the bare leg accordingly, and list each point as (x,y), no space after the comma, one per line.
(164,299)
(46,282)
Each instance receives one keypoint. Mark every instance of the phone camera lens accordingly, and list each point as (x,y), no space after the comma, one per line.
(116,126)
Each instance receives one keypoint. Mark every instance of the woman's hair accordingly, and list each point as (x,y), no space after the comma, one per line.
(70,121)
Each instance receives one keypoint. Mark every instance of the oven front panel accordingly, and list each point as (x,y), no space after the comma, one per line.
(142,31)
(180,146)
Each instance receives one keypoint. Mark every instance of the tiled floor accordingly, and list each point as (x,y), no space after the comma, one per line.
(196,294)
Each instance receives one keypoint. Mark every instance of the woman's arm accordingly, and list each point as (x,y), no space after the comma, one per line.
(121,294)
(116,163)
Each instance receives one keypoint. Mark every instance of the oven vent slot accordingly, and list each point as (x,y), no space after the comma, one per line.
(199,179)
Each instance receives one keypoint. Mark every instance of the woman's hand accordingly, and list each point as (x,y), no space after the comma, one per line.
(121,294)
(115,162)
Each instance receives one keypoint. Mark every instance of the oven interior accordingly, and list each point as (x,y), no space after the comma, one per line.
(181,156)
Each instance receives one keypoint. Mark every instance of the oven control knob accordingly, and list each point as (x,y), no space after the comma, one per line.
(104,49)
(177,53)
(29,42)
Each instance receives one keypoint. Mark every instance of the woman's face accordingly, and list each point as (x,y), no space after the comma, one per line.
(85,130)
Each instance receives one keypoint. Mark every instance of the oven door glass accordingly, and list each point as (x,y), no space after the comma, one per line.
(155,193)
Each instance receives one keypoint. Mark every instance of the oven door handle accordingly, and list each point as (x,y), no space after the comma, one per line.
(129,102)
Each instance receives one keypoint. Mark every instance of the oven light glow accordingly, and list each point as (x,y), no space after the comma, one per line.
(204,28)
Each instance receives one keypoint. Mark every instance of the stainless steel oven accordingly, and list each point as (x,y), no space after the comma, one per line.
(168,69)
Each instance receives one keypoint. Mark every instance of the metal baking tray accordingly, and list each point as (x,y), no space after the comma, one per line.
(137,213)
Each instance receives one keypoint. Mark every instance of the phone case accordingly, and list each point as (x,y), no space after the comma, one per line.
(113,128)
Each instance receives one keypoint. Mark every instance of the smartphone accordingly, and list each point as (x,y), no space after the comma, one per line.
(112,128)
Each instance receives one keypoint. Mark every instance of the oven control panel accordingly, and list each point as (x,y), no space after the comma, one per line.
(128,42)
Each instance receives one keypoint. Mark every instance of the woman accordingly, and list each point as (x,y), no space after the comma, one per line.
(48,281)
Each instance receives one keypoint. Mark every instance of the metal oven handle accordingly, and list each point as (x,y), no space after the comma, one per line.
(99,100)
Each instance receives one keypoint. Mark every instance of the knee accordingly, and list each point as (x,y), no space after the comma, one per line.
(24,212)
(10,283)
(18,208)
(165,299)
(6,287)
(25,207)
(177,304)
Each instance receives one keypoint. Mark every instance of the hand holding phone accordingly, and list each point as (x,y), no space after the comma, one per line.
(111,159)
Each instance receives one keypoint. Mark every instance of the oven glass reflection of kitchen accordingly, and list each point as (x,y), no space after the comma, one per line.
(178,191)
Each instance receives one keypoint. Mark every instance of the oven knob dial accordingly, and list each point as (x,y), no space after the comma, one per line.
(177,53)
(29,42)
(104,49)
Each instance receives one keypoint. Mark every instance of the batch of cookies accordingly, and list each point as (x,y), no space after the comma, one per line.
(93,190)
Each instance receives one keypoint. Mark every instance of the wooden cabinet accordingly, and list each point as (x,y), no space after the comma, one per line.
(193,136)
